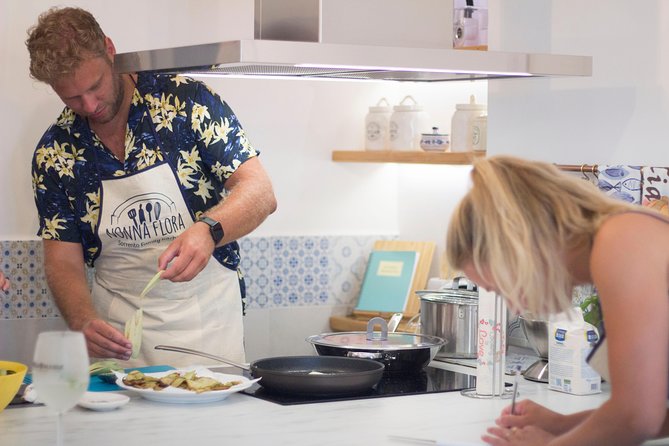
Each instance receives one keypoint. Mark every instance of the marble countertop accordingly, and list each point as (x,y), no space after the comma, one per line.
(449,418)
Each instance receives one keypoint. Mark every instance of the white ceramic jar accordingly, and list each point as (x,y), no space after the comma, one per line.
(407,123)
(377,123)
(462,124)
(480,133)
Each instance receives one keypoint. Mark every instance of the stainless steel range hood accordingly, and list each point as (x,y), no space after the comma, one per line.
(285,47)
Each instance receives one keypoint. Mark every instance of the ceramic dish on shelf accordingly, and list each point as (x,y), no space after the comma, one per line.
(435,141)
(176,395)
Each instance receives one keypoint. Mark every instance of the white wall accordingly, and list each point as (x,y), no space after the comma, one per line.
(619,115)
(296,124)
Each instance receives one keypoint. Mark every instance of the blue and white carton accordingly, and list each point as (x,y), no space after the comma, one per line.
(570,340)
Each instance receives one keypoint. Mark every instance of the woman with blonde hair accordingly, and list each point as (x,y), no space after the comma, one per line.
(531,233)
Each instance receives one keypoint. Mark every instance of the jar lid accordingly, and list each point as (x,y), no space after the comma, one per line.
(471,106)
(402,107)
(378,108)
(435,132)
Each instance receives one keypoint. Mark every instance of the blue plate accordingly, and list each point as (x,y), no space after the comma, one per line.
(96,383)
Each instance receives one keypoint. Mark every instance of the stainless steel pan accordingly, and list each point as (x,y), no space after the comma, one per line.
(305,375)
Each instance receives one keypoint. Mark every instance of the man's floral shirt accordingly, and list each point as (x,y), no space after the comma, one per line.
(198,134)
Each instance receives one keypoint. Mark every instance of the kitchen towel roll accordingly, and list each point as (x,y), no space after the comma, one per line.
(490,361)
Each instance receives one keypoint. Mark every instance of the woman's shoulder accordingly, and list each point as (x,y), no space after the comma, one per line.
(632,236)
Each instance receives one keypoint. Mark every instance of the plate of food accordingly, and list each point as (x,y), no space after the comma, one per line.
(183,386)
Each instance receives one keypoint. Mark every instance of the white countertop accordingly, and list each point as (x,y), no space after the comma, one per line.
(449,418)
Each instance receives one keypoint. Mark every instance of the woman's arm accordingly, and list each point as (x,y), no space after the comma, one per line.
(628,265)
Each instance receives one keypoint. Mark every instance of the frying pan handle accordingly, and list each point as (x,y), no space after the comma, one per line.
(189,351)
(371,336)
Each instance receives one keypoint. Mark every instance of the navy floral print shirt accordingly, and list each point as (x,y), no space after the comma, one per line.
(198,134)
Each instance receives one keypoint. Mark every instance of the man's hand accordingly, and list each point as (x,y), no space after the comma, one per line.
(4,282)
(104,341)
(187,255)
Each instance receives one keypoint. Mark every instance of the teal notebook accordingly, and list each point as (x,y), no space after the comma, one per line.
(387,281)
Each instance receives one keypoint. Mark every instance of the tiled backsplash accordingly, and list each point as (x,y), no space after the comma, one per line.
(279,272)
(29,296)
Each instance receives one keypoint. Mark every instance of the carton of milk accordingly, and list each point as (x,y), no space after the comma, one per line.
(570,340)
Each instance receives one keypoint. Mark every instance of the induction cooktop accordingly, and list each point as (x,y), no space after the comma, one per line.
(428,380)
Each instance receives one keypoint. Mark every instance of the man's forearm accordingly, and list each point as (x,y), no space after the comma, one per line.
(251,199)
(66,277)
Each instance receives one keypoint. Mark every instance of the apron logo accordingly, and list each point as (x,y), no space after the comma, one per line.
(146,217)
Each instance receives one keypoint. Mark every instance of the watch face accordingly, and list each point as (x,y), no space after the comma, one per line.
(215,228)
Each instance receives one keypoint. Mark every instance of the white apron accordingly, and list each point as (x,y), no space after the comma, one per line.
(140,214)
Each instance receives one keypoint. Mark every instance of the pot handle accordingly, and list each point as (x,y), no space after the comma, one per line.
(371,335)
(365,355)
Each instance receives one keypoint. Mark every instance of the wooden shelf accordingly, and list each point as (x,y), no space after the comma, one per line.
(411,157)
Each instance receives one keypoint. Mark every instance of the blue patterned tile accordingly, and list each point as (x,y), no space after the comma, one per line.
(29,296)
(279,272)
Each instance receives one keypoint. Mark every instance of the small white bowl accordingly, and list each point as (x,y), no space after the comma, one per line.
(103,401)
(434,142)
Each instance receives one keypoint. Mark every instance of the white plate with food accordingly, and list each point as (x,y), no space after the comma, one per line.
(103,401)
(183,386)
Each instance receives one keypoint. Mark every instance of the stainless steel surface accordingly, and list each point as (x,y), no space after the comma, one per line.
(399,352)
(172,348)
(394,322)
(350,40)
(451,313)
(358,340)
(536,331)
(314,60)
(537,372)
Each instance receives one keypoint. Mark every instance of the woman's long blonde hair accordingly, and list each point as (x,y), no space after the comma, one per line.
(516,224)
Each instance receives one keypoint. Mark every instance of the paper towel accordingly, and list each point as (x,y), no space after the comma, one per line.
(490,358)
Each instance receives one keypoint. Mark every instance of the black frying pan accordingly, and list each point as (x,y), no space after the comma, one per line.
(306,375)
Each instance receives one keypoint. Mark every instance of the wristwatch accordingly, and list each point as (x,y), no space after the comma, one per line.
(215,228)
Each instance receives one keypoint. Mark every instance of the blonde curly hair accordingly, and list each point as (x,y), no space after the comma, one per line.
(61,40)
(517,224)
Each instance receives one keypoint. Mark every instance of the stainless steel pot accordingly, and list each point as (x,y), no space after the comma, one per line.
(399,352)
(451,313)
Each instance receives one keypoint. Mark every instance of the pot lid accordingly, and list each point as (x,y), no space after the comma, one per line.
(357,340)
(459,290)
(376,340)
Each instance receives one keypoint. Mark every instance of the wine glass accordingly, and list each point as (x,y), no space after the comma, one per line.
(60,372)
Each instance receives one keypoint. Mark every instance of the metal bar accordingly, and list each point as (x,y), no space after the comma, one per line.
(583,168)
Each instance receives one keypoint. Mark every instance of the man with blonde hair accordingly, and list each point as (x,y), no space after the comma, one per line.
(140,173)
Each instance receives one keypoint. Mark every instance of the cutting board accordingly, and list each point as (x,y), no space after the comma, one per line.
(357,320)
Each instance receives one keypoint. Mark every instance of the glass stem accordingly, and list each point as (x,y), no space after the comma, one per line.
(59,429)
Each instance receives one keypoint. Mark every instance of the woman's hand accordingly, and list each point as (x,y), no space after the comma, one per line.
(519,436)
(529,413)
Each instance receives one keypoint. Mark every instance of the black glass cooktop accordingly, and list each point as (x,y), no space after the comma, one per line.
(428,380)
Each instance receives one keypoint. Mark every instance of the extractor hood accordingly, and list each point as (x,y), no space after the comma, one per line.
(285,47)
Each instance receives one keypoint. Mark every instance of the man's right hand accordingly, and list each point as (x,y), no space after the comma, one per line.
(104,341)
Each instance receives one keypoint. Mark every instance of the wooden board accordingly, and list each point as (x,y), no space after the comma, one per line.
(357,321)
